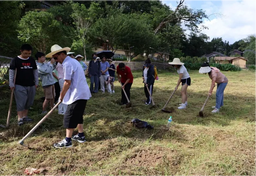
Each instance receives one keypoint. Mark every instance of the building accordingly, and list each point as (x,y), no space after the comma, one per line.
(237,61)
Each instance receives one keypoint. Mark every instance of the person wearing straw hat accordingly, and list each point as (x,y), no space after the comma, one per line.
(75,94)
(79,58)
(184,78)
(217,77)
(71,54)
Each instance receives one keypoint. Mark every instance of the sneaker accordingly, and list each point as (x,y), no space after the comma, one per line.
(215,110)
(26,119)
(186,103)
(78,139)
(20,122)
(63,144)
(113,91)
(182,106)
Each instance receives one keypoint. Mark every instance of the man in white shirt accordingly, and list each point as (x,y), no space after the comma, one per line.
(75,94)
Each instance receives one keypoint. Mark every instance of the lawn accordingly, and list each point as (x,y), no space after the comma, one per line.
(218,144)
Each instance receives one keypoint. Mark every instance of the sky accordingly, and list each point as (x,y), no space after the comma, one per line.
(231,20)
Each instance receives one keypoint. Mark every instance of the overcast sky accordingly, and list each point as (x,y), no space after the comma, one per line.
(231,20)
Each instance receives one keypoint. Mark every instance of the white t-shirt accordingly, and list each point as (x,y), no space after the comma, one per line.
(183,70)
(145,73)
(79,89)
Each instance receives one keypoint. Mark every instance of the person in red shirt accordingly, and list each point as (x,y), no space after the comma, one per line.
(125,76)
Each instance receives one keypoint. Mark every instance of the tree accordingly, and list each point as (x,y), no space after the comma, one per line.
(249,51)
(9,16)
(83,18)
(39,29)
(182,13)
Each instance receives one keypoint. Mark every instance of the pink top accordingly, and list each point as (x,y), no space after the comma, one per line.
(60,71)
(217,76)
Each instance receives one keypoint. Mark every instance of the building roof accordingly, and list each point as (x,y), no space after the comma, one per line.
(228,58)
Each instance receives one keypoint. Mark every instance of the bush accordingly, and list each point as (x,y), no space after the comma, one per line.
(226,67)
(251,67)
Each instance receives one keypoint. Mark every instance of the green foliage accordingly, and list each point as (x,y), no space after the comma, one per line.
(39,29)
(251,67)
(194,63)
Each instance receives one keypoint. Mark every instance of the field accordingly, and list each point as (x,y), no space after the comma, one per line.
(218,144)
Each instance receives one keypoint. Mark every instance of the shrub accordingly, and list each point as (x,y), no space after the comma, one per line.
(251,67)
(226,67)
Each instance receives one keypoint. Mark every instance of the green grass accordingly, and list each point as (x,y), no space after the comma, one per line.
(218,144)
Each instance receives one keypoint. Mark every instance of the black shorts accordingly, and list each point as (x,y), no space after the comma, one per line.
(186,81)
(74,114)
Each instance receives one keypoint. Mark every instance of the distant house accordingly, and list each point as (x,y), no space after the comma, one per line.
(236,53)
(238,61)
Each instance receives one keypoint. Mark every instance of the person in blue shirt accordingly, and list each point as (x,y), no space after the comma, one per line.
(104,65)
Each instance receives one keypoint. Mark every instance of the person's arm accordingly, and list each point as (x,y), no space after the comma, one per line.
(212,86)
(11,78)
(65,88)
(179,80)
(126,82)
(45,68)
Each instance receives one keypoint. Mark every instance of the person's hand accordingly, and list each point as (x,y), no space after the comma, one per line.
(210,93)
(12,88)
(123,86)
(146,85)
(176,87)
(60,99)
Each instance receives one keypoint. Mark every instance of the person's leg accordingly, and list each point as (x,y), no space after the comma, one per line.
(20,95)
(184,93)
(45,104)
(220,94)
(69,132)
(96,80)
(108,88)
(127,90)
(123,99)
(92,82)
(146,94)
(151,92)
(102,83)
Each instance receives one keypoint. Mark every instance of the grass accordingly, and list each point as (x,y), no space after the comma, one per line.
(218,144)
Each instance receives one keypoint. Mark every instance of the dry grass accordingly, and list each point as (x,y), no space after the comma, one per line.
(219,144)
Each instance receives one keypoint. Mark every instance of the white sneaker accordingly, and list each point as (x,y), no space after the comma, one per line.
(186,103)
(215,110)
(182,106)
(113,91)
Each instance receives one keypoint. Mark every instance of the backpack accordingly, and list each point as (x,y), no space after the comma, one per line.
(141,124)
(155,70)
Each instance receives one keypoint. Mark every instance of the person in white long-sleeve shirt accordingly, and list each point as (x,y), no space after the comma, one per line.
(45,70)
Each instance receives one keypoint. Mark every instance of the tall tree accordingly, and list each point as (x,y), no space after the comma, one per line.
(10,14)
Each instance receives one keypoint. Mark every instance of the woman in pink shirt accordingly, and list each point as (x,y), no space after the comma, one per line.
(217,77)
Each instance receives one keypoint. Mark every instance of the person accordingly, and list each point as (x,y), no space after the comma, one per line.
(45,71)
(56,85)
(62,107)
(71,54)
(111,78)
(184,78)
(94,73)
(148,76)
(75,94)
(104,65)
(217,77)
(25,83)
(79,58)
(125,77)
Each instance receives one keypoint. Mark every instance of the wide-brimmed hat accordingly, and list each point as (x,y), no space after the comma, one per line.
(56,49)
(79,55)
(176,61)
(205,68)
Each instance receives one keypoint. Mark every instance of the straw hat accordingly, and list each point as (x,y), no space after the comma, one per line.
(176,61)
(69,53)
(79,55)
(56,49)
(205,68)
